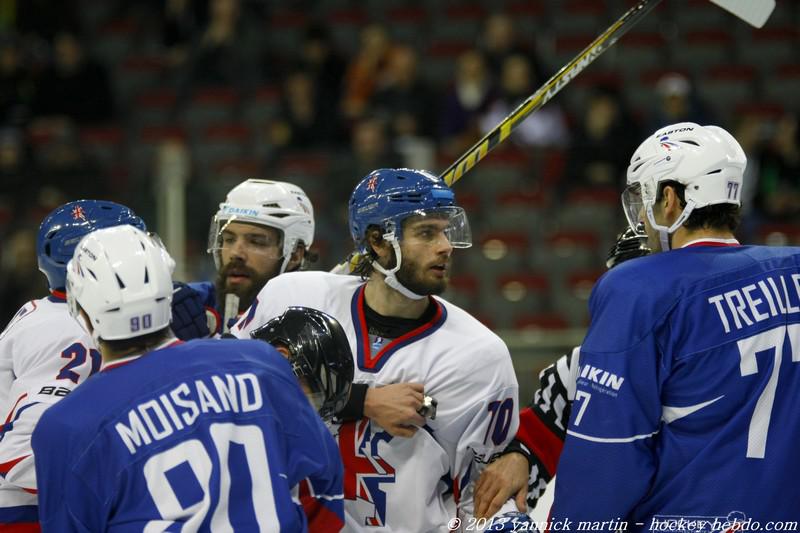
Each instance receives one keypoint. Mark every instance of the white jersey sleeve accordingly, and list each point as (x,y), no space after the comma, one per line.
(488,420)
(44,354)
(270,302)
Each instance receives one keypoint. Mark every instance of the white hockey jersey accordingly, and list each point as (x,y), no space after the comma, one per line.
(393,483)
(44,354)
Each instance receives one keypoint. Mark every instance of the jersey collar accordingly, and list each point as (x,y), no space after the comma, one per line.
(131,358)
(57,296)
(711,242)
(373,363)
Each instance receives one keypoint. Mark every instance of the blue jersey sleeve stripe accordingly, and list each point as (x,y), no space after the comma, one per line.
(19,514)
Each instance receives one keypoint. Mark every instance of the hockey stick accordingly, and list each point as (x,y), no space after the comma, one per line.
(754,12)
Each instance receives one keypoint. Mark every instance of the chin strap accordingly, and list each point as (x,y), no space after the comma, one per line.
(665,233)
(391,275)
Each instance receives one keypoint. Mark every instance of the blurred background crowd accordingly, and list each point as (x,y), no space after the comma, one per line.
(322,92)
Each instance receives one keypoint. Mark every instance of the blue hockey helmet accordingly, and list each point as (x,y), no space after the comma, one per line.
(66,225)
(387,196)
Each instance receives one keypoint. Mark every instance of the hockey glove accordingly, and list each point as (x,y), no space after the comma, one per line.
(630,244)
(191,319)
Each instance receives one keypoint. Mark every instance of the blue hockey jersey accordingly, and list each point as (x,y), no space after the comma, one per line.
(686,409)
(209,435)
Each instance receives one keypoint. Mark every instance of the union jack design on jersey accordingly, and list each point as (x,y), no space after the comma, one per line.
(365,469)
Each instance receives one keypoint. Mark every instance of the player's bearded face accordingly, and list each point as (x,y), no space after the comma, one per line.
(425,266)
(248,282)
(251,256)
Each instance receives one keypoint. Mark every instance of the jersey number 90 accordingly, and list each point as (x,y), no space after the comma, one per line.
(191,506)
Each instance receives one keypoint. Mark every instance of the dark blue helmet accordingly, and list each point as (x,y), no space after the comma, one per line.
(387,196)
(62,229)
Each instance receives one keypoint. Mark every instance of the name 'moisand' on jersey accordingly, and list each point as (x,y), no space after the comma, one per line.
(687,393)
(211,435)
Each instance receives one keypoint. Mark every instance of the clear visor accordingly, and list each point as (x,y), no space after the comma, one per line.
(241,235)
(633,205)
(429,225)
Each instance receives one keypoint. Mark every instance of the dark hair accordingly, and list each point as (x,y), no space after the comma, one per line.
(309,256)
(717,216)
(363,262)
(143,343)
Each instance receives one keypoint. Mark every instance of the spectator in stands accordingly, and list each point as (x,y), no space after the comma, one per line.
(403,99)
(302,123)
(226,53)
(183,19)
(469,96)
(74,87)
(501,40)
(369,149)
(366,70)
(326,68)
(602,143)
(678,102)
(777,197)
(546,128)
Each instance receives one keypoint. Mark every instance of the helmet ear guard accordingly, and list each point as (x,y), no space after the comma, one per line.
(319,354)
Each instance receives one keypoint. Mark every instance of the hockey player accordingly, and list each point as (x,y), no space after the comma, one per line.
(685,404)
(44,354)
(262,229)
(211,435)
(531,458)
(406,224)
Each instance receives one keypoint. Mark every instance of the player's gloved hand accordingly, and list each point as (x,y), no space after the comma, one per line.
(512,521)
(190,317)
(395,408)
(504,478)
(630,244)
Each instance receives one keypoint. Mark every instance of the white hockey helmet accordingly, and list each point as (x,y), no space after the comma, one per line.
(707,160)
(122,278)
(275,204)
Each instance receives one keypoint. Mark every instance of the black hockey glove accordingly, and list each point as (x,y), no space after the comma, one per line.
(630,244)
